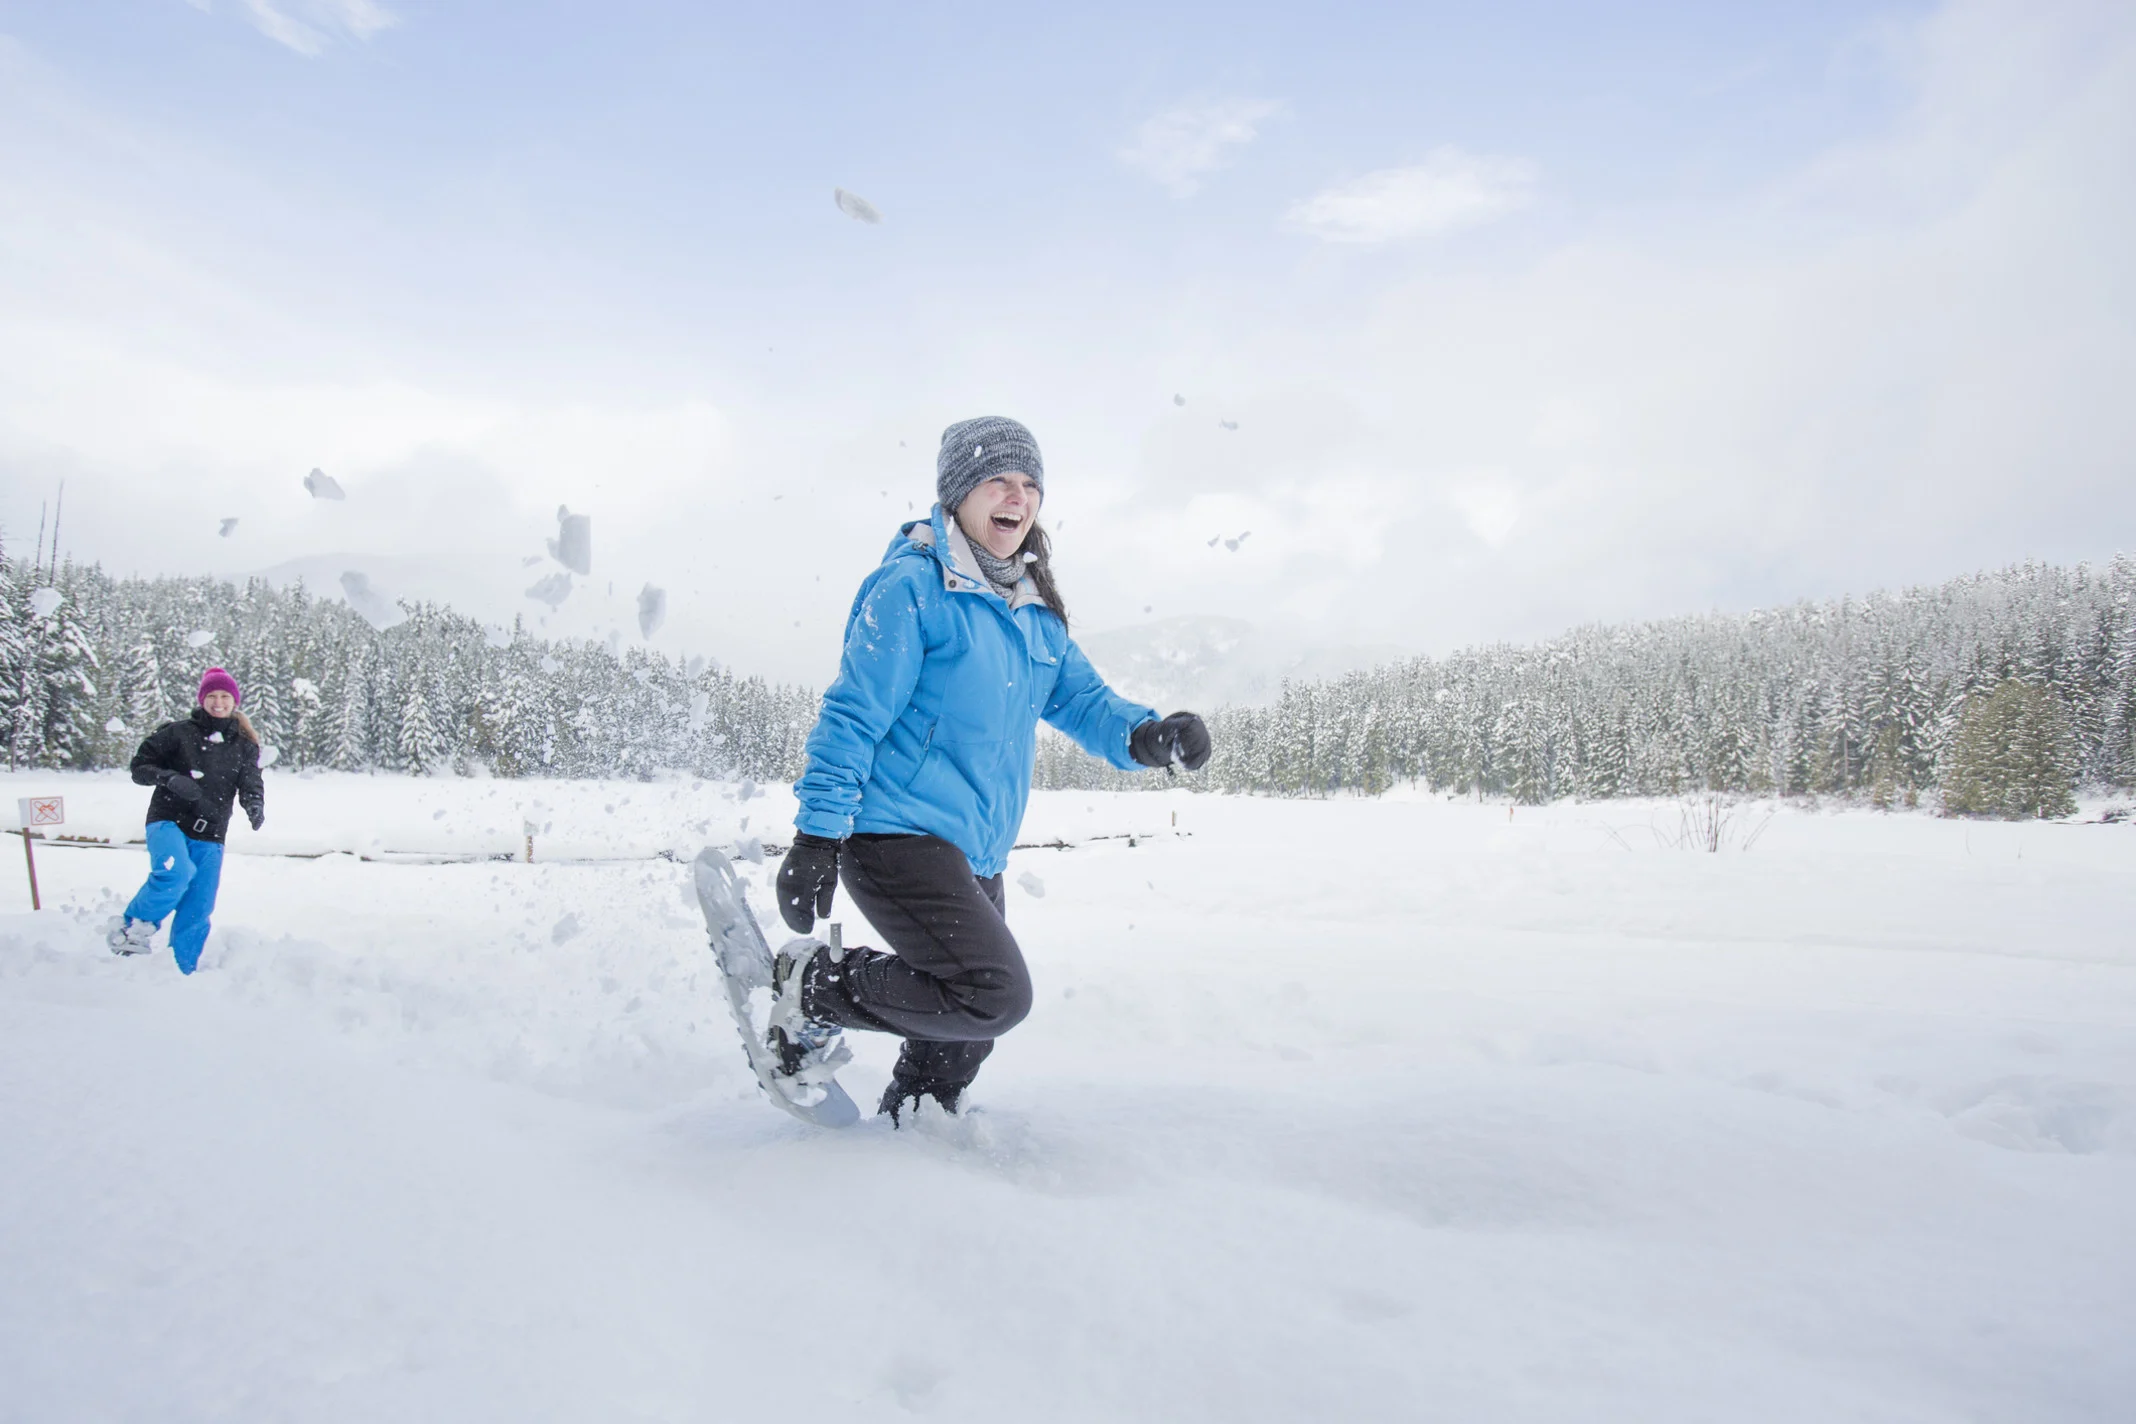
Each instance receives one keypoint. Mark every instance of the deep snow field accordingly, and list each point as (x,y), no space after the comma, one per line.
(1362,1110)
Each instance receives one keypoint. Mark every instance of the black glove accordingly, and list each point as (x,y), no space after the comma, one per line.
(181,785)
(807,880)
(1182,736)
(258,818)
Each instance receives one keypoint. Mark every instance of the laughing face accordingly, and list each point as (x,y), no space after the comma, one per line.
(1000,512)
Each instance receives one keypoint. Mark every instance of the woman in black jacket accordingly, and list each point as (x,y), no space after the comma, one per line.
(198,767)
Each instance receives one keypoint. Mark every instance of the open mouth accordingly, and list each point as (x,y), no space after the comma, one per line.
(1009,523)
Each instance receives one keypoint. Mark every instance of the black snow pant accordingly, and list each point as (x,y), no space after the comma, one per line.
(957,980)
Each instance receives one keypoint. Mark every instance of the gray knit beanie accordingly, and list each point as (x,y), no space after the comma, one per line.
(974,451)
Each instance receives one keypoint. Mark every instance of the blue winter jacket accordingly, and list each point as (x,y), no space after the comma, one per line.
(931,726)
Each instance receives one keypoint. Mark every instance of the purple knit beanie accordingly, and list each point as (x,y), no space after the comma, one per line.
(216,680)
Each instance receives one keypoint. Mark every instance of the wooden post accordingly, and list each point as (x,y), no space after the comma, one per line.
(31,857)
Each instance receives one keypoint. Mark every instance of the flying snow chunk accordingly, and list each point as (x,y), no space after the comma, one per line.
(700,701)
(373,605)
(566,928)
(652,610)
(1179,400)
(199,638)
(549,664)
(44,602)
(323,485)
(227,526)
(496,635)
(1032,885)
(751,849)
(552,590)
(1233,544)
(573,545)
(1229,424)
(269,754)
(114,725)
(855,206)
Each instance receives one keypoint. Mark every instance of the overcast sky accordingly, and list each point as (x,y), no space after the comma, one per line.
(1526,315)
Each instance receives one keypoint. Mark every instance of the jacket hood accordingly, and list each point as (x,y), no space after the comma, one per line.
(939,539)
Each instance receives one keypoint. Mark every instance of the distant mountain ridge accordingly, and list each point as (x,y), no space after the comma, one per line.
(1211,661)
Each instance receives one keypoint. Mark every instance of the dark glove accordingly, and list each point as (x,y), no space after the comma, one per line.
(181,785)
(807,880)
(1181,737)
(258,818)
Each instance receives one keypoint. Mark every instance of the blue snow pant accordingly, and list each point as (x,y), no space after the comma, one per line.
(183,875)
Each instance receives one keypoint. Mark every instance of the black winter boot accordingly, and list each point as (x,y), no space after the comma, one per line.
(931,1069)
(898,1094)
(802,1040)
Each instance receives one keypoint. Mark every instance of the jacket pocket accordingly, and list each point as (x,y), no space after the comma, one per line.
(902,777)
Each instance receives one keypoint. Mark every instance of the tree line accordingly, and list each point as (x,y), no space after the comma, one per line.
(1855,696)
(1885,697)
(89,664)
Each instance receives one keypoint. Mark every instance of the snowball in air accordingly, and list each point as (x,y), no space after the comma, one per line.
(652,610)
(374,605)
(855,206)
(552,590)
(573,545)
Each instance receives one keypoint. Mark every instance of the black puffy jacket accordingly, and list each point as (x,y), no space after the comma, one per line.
(198,767)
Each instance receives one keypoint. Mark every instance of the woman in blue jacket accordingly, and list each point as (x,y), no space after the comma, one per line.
(919,767)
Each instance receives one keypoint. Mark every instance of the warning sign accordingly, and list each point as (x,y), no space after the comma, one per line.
(42,810)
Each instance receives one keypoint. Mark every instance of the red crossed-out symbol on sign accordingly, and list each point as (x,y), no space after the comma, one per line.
(45,811)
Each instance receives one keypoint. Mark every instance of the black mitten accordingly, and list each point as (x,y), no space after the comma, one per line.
(1181,737)
(182,785)
(808,879)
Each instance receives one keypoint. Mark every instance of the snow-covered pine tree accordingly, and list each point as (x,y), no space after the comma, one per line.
(2013,756)
(423,750)
(352,749)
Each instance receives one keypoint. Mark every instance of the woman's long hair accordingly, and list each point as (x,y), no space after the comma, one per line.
(1041,570)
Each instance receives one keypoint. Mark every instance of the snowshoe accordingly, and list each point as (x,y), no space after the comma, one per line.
(795,1058)
(129,936)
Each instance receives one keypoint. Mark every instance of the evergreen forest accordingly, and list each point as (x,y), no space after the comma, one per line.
(1886,697)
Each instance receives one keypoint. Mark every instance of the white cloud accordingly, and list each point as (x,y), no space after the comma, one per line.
(1178,147)
(309,26)
(1448,189)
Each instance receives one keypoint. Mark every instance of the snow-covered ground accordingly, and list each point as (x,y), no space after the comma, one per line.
(1398,1109)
